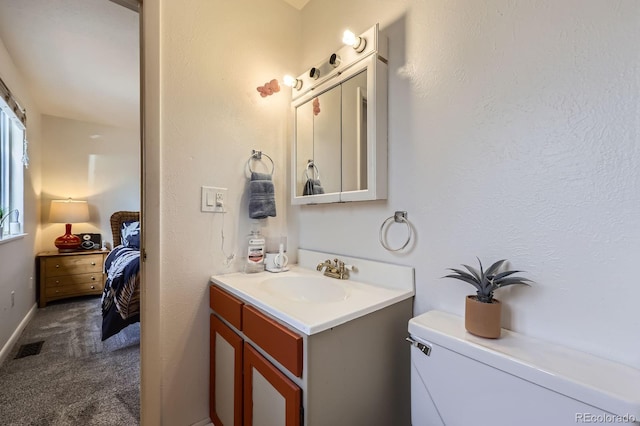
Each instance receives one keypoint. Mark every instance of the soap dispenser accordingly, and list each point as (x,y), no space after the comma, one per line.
(255,250)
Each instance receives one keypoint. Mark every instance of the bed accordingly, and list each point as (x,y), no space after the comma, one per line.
(121,295)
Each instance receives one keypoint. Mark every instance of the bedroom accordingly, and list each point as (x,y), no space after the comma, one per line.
(83,129)
(201,99)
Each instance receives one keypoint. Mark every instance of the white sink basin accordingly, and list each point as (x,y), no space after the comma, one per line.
(311,303)
(306,289)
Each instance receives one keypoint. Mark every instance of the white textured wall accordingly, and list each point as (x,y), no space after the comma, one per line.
(211,57)
(513,133)
(17,257)
(92,162)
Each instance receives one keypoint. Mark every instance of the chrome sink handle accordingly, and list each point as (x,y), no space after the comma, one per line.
(336,269)
(322,267)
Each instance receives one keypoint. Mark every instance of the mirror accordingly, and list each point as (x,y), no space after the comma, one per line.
(340,141)
(354,133)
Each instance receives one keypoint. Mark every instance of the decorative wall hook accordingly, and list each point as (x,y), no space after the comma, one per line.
(269,88)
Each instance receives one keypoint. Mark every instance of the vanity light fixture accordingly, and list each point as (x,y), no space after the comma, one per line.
(314,73)
(293,82)
(350,39)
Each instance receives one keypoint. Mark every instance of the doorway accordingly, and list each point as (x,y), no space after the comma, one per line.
(81,62)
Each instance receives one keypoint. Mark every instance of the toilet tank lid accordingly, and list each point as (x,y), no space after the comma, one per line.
(604,384)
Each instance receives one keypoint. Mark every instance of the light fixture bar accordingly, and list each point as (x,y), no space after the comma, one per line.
(357,49)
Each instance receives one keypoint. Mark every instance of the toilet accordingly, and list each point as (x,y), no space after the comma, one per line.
(458,379)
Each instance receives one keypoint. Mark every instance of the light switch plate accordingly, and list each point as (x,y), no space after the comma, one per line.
(213,199)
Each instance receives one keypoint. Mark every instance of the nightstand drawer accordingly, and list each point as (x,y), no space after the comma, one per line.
(71,265)
(61,280)
(77,289)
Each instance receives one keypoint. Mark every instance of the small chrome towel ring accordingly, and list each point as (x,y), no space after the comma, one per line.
(398,217)
(257,155)
(314,170)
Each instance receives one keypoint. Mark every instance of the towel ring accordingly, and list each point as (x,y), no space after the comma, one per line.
(257,155)
(398,217)
(314,169)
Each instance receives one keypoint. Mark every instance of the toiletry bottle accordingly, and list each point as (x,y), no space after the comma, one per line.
(255,252)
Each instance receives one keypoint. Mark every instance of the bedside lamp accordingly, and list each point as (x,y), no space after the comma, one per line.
(68,211)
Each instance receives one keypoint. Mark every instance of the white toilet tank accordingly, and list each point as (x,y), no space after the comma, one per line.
(514,380)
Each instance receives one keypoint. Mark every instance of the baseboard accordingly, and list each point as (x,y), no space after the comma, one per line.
(16,334)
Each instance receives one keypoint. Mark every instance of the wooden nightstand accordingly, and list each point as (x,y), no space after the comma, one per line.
(73,274)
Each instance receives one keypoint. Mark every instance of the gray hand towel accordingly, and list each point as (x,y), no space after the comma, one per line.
(313,187)
(262,201)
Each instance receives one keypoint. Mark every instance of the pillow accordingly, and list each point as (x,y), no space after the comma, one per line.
(130,234)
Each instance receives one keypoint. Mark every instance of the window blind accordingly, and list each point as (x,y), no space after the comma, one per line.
(13,103)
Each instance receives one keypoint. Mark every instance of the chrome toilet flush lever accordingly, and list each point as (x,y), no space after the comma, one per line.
(336,269)
(425,349)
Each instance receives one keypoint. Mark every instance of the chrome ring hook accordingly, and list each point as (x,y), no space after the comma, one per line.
(398,217)
(257,155)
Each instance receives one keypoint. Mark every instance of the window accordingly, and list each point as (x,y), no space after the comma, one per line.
(12,145)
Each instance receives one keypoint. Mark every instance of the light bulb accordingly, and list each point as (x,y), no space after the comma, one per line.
(289,81)
(350,39)
(334,60)
(292,82)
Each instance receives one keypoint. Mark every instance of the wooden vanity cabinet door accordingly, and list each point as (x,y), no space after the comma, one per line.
(225,381)
(269,396)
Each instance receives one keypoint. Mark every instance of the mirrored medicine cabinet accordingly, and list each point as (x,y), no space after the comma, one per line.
(340,126)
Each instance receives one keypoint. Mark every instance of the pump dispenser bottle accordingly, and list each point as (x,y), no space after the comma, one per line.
(255,250)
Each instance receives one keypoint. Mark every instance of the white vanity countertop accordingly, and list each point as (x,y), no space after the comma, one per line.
(311,317)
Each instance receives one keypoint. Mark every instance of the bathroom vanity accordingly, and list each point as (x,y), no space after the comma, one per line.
(299,348)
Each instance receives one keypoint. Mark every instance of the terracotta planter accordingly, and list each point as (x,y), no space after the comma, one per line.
(482,319)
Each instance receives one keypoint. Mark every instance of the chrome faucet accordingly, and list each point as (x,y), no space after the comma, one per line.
(336,269)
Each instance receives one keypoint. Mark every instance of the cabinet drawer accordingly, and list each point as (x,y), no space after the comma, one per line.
(226,305)
(72,265)
(278,341)
(77,289)
(61,280)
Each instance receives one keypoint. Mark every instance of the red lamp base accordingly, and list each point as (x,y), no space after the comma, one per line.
(68,242)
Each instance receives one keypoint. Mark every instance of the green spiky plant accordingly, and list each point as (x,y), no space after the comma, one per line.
(486,282)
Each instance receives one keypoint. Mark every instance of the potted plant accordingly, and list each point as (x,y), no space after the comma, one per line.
(3,212)
(483,311)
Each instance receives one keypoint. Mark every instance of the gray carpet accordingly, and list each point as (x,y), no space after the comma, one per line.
(75,379)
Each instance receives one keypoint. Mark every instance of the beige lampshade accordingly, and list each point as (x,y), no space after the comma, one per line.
(69,211)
